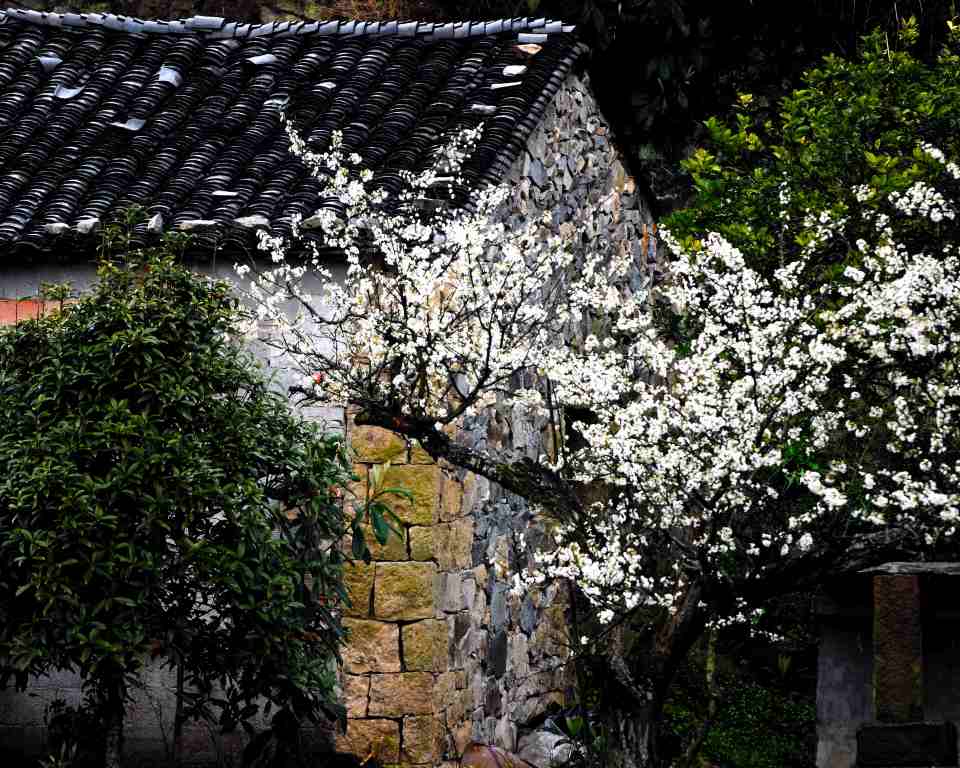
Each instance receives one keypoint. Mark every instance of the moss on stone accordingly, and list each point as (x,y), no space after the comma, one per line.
(423,481)
(376,446)
(425,646)
(404,590)
(358,581)
(422,542)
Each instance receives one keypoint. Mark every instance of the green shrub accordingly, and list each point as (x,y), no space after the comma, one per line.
(147,475)
(756,727)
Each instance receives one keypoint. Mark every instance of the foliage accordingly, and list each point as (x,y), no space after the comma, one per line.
(853,125)
(158,499)
(687,60)
(744,700)
(74,735)
(757,726)
(375,512)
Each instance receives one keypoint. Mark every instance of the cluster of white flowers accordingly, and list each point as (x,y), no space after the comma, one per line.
(456,305)
(921,198)
(706,445)
(865,370)
(937,154)
(819,229)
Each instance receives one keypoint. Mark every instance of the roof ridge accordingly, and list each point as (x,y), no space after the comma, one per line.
(215,27)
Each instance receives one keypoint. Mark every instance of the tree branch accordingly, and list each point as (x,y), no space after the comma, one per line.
(523,477)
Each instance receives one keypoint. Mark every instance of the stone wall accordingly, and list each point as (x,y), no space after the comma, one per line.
(442,652)
(571,179)
(397,650)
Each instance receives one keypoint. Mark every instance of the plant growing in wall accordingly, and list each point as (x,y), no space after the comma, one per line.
(158,499)
(764,419)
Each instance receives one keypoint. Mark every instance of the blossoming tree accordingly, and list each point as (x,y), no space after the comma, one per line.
(732,435)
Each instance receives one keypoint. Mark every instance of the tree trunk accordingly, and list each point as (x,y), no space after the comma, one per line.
(634,709)
(691,756)
(639,690)
(113,704)
(178,717)
(632,739)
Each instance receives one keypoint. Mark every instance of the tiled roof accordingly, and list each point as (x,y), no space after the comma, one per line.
(101,112)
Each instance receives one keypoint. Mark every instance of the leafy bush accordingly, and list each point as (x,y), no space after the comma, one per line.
(157,498)
(842,143)
(859,157)
(756,727)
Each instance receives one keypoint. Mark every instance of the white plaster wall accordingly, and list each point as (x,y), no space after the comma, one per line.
(844,690)
(148,725)
(25,281)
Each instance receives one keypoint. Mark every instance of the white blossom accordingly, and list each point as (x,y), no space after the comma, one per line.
(714,435)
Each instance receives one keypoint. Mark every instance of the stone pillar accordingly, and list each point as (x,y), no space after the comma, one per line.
(900,737)
(897,649)
(396,656)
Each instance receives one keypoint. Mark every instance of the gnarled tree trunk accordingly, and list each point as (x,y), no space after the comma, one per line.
(635,708)
(632,738)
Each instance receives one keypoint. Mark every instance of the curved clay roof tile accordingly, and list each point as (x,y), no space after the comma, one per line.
(166,114)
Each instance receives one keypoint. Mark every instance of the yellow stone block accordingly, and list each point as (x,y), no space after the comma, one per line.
(376,446)
(373,646)
(451,504)
(418,455)
(358,581)
(453,544)
(356,689)
(377,737)
(404,591)
(425,646)
(357,489)
(422,542)
(462,736)
(419,737)
(406,693)
(423,481)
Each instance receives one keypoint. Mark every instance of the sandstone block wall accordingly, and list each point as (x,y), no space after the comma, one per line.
(397,655)
(439,653)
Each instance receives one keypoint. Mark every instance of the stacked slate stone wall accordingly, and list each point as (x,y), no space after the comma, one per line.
(442,652)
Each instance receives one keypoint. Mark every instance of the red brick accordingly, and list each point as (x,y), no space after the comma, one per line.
(14,310)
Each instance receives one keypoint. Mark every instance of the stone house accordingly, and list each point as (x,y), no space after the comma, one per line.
(182,118)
